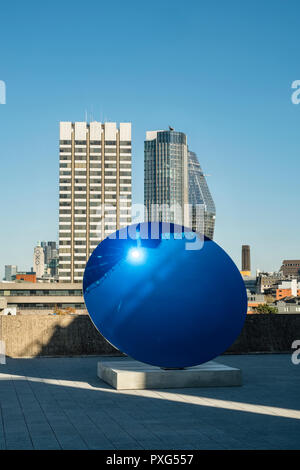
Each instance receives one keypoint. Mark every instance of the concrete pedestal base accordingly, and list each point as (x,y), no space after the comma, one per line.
(128,374)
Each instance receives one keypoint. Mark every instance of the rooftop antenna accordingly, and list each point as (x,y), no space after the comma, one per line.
(85,115)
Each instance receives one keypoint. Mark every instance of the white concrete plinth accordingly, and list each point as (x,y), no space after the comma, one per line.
(127,374)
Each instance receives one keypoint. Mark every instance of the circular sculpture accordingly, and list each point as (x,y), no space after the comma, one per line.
(165,295)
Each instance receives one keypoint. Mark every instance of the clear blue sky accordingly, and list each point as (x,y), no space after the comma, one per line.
(220,71)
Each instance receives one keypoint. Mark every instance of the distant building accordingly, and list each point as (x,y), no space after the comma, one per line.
(50,252)
(246,262)
(27,277)
(291,268)
(269,281)
(202,207)
(38,260)
(287,289)
(41,297)
(45,265)
(51,257)
(254,300)
(53,268)
(288,305)
(10,272)
(251,284)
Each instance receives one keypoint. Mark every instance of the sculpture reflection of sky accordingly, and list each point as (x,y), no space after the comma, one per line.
(162,303)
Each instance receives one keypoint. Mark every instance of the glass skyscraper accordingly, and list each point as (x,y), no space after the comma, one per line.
(166,177)
(175,188)
(202,207)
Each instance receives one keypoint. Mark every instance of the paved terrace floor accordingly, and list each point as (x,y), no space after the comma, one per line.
(59,403)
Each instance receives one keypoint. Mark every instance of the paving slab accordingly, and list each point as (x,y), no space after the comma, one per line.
(50,403)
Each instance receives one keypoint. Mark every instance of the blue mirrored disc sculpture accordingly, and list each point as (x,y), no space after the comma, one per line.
(165,295)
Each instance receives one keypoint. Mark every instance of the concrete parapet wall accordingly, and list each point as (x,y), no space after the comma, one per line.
(51,335)
(267,333)
(75,335)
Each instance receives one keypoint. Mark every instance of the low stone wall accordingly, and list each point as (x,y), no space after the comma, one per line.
(75,335)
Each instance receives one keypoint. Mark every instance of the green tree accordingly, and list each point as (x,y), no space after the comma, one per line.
(265,308)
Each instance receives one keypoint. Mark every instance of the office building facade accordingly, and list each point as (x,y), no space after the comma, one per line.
(95,190)
(166,177)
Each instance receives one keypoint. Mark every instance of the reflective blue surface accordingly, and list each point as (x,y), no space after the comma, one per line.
(160,300)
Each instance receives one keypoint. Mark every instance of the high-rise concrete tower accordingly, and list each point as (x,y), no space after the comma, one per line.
(202,206)
(94,191)
(166,177)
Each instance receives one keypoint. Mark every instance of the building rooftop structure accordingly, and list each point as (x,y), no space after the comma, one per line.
(59,403)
